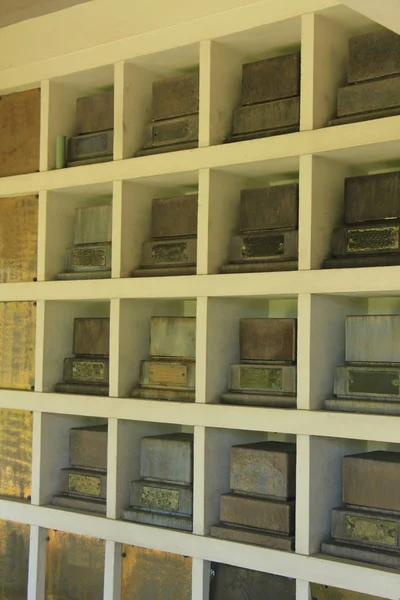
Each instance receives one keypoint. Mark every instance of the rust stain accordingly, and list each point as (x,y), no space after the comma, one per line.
(14,555)
(155,575)
(74,567)
(15,453)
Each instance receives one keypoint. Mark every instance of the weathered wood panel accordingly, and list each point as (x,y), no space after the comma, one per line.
(74,567)
(18,238)
(15,453)
(19,133)
(17,340)
(155,575)
(14,556)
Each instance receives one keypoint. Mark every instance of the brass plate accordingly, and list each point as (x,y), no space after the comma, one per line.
(14,556)
(268,379)
(88,371)
(324,592)
(373,531)
(373,239)
(18,238)
(373,382)
(261,245)
(161,253)
(74,566)
(168,374)
(155,575)
(17,335)
(84,484)
(89,257)
(15,453)
(159,498)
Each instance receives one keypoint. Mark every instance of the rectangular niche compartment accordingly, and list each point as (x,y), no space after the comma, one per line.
(58,334)
(60,210)
(136,77)
(136,213)
(74,566)
(154,574)
(223,350)
(14,558)
(63,93)
(16,453)
(134,334)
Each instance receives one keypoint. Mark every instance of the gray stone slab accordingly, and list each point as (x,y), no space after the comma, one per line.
(168,458)
(373,338)
(173,337)
(260,513)
(359,554)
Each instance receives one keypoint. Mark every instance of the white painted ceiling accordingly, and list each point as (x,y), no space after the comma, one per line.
(385,12)
(13,11)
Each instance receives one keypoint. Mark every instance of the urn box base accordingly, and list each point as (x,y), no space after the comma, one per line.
(256,537)
(259,400)
(374,407)
(382,558)
(159,519)
(78,504)
(89,389)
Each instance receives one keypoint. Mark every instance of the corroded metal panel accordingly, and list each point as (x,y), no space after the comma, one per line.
(74,567)
(18,238)
(17,336)
(15,453)
(14,555)
(155,575)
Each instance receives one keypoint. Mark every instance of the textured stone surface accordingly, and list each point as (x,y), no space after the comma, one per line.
(174,217)
(372,239)
(95,113)
(271,79)
(373,55)
(371,528)
(88,447)
(93,224)
(84,482)
(162,496)
(362,554)
(267,246)
(253,536)
(86,370)
(176,96)
(147,517)
(18,335)
(369,96)
(378,407)
(260,513)
(373,338)
(167,253)
(325,592)
(167,457)
(372,197)
(91,336)
(267,468)
(258,400)
(14,560)
(90,148)
(173,337)
(272,207)
(268,339)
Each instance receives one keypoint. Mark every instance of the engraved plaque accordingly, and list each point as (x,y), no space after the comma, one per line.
(89,146)
(174,217)
(373,239)
(175,96)
(14,557)
(93,224)
(15,453)
(173,337)
(84,484)
(163,253)
(18,335)
(160,498)
(372,531)
(243,584)
(87,370)
(254,378)
(74,566)
(373,382)
(168,374)
(91,336)
(261,245)
(95,113)
(325,592)
(19,133)
(18,238)
(89,257)
(155,575)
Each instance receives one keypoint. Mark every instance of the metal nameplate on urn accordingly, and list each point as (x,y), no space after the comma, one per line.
(84,482)
(268,246)
(88,447)
(20,133)
(372,480)
(373,339)
(90,148)
(173,337)
(175,96)
(273,207)
(264,468)
(373,55)
(366,239)
(162,373)
(166,253)
(244,584)
(86,370)
(95,113)
(367,382)
(271,79)
(268,340)
(168,458)
(372,197)
(256,537)
(174,217)
(325,592)
(380,529)
(171,135)
(262,378)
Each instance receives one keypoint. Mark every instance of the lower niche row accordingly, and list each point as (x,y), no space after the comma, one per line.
(75,569)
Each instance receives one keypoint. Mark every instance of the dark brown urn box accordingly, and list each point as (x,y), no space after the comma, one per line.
(175,115)
(266,375)
(88,371)
(270,98)
(268,231)
(235,583)
(172,249)
(370,235)
(94,142)
(373,80)
(83,485)
(19,133)
(366,528)
(260,509)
